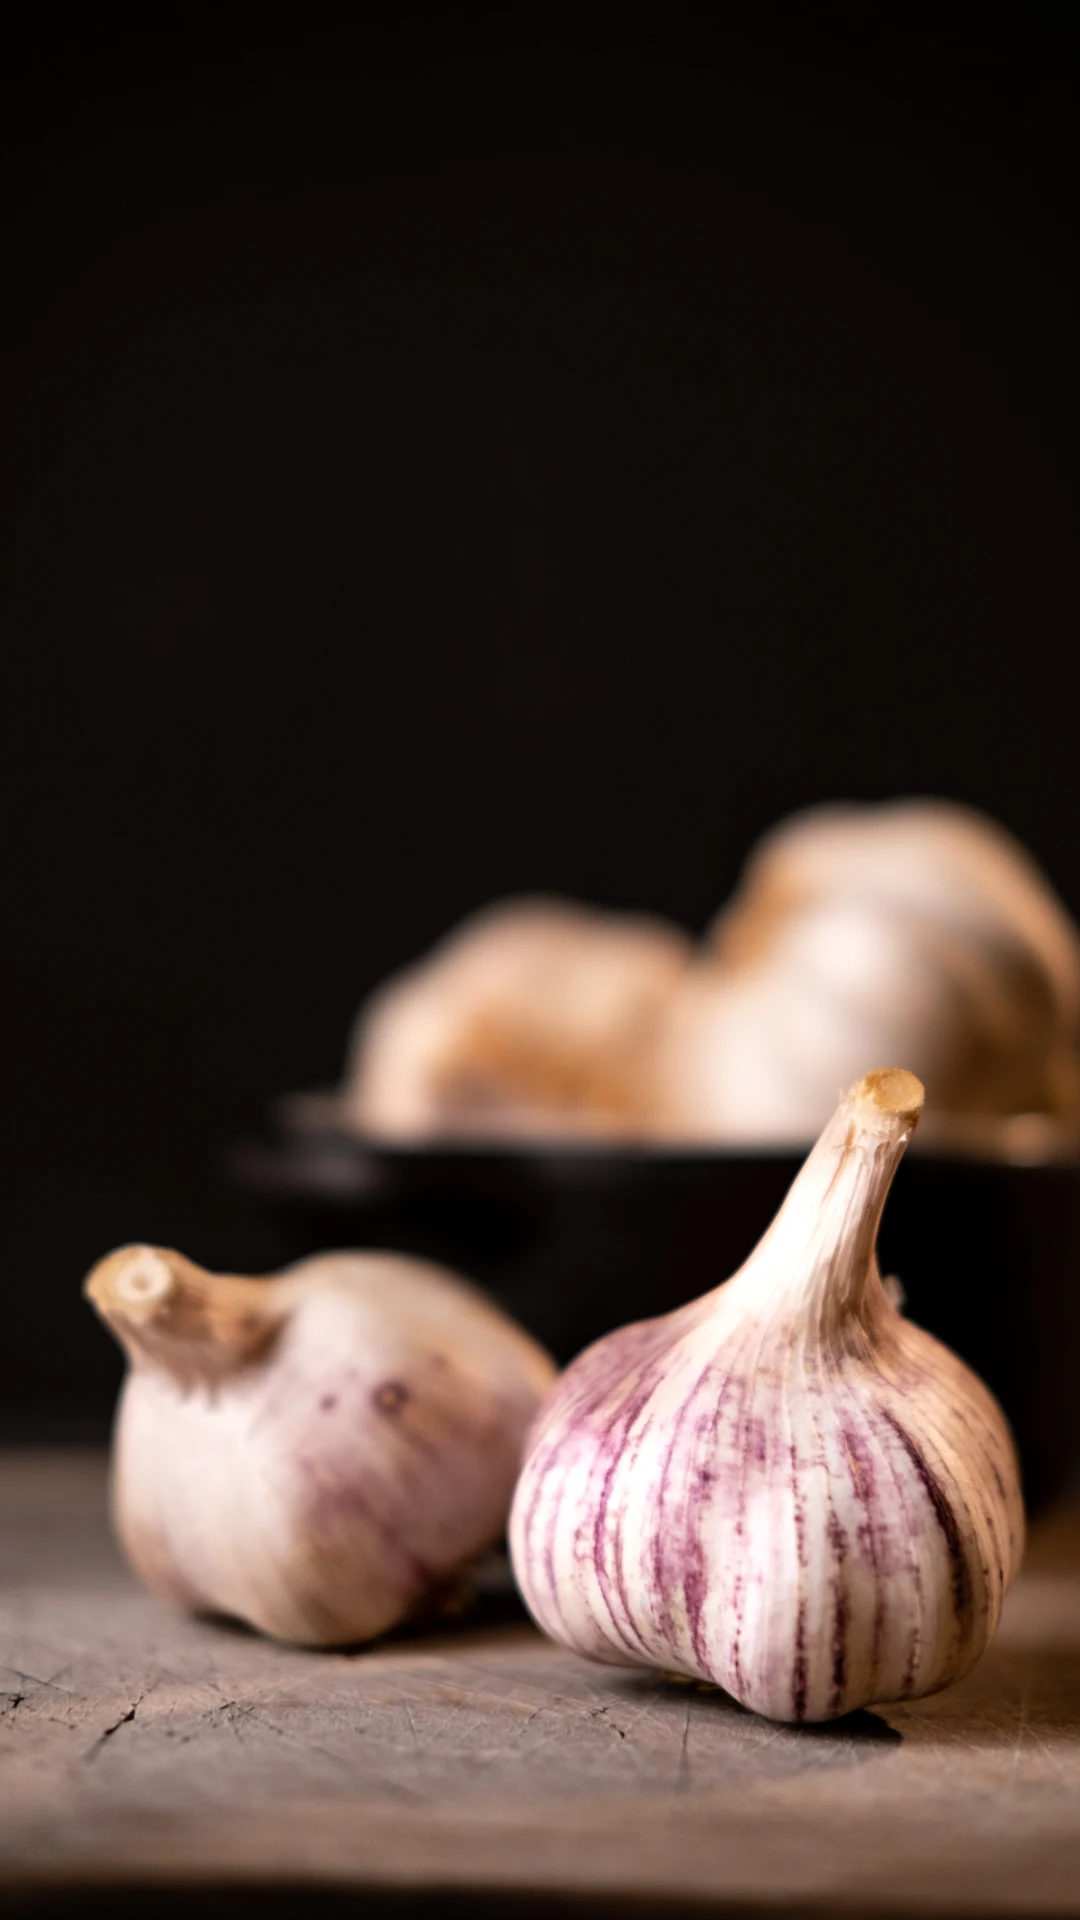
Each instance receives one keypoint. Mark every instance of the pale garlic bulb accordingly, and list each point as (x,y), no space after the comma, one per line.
(535,1017)
(917,929)
(784,1488)
(937,857)
(317,1453)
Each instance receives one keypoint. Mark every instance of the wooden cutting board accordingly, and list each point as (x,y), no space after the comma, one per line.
(139,1748)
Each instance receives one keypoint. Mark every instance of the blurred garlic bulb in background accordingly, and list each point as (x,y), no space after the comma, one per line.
(917,930)
(536,1017)
(319,1453)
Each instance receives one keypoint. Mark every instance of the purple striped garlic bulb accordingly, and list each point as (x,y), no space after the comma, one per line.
(320,1453)
(785,1488)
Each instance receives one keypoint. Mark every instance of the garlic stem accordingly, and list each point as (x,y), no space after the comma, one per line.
(170,1313)
(818,1254)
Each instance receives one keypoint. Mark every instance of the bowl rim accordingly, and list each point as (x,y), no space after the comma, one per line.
(313,1118)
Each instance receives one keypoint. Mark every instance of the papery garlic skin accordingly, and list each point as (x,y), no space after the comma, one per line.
(918,930)
(535,1017)
(936,858)
(784,1488)
(317,1453)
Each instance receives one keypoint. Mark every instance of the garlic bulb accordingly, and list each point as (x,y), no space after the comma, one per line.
(937,857)
(917,930)
(534,1017)
(784,1488)
(315,1453)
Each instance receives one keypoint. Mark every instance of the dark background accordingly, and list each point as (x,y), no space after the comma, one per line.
(466,452)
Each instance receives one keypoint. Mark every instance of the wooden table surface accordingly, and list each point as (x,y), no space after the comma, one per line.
(140,1748)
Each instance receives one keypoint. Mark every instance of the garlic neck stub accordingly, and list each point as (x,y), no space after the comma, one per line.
(318,1453)
(784,1488)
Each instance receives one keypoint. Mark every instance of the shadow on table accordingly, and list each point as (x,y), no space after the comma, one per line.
(1014,1692)
(486,1598)
(846,1740)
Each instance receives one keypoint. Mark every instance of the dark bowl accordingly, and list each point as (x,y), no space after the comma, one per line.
(574,1240)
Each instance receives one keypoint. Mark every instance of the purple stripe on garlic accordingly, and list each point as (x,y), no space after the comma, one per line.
(784,1488)
(319,1453)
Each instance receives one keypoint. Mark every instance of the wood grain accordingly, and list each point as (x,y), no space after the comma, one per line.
(140,1747)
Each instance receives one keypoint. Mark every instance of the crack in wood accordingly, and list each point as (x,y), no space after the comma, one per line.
(411,1721)
(34,1679)
(615,1728)
(125,1718)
